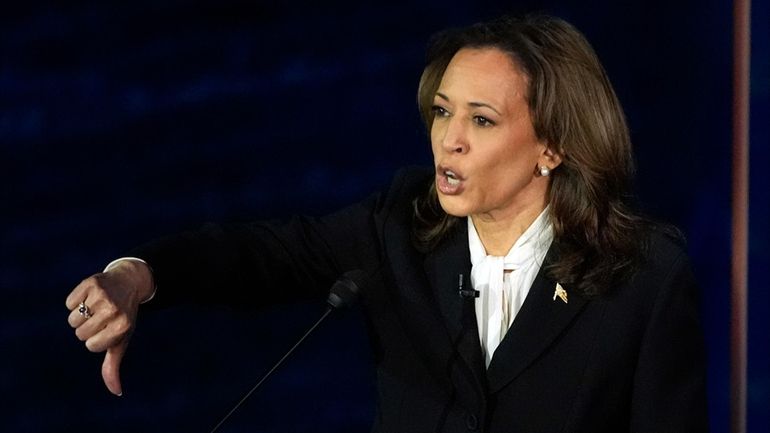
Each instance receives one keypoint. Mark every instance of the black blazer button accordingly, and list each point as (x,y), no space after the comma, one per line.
(472,422)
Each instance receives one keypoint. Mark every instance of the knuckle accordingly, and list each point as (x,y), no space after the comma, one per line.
(90,282)
(93,345)
(111,310)
(97,280)
(121,326)
(126,324)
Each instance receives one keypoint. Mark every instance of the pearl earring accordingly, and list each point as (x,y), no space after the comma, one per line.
(544,171)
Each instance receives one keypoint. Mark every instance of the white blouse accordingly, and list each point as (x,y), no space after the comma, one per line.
(503,282)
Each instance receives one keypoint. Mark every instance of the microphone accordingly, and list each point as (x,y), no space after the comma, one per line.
(466,293)
(343,294)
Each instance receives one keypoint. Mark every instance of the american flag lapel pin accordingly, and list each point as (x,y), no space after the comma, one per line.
(560,292)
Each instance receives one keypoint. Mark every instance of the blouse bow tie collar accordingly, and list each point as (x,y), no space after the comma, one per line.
(504,281)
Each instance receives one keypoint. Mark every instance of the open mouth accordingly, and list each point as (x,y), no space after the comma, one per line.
(451,178)
(448,181)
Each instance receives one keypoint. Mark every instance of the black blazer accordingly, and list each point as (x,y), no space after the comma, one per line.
(631,361)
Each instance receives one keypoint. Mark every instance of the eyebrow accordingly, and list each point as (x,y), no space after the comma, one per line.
(472,104)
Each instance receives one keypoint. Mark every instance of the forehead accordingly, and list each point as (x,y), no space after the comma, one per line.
(487,73)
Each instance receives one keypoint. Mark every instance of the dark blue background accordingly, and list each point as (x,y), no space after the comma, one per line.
(122,122)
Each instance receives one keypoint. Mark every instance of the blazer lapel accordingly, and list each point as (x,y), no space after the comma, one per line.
(538,323)
(415,301)
(445,267)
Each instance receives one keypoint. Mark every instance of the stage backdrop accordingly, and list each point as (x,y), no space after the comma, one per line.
(122,121)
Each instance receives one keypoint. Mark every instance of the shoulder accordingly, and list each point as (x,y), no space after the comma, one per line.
(662,292)
(664,248)
(665,267)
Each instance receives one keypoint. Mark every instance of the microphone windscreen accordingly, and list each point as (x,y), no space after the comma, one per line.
(345,290)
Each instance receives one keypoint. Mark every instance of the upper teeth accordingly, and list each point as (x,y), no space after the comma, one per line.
(451,178)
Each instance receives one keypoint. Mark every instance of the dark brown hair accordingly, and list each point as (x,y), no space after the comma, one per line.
(597,237)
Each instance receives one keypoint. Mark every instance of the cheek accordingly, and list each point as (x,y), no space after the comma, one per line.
(518,158)
(435,140)
(500,163)
(505,170)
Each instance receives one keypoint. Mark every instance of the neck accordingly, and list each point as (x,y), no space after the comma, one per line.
(499,234)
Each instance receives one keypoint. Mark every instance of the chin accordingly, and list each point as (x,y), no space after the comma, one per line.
(454,206)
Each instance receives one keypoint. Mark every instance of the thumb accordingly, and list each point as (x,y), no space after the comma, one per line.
(111,368)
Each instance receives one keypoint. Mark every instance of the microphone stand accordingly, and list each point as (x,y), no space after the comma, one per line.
(343,294)
(277,364)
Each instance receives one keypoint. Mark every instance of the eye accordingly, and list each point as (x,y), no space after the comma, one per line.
(483,121)
(439,111)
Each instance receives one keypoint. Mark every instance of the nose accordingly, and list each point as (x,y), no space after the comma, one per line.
(455,137)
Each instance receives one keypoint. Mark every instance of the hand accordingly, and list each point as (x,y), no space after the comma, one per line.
(112,299)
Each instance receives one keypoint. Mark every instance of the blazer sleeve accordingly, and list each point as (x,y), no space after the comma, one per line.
(669,393)
(262,262)
(267,262)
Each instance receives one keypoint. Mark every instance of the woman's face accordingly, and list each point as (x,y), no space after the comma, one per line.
(484,145)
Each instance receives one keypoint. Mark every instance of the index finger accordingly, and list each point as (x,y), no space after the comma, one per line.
(78,294)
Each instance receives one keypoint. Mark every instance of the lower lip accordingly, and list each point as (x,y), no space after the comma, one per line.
(443,185)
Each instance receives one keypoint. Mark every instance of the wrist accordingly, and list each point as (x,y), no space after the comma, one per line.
(139,275)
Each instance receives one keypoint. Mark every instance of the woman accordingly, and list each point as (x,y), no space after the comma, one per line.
(512,287)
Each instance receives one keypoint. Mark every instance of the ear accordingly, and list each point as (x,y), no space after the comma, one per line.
(549,158)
